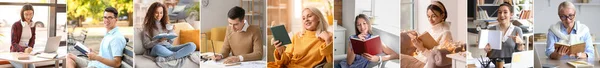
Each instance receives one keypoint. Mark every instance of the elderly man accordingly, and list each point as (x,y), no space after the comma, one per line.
(568,30)
(243,41)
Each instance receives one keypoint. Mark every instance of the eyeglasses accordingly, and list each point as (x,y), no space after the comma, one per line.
(570,16)
(108,17)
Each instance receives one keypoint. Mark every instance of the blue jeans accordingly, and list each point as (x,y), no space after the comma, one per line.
(359,62)
(175,51)
(20,65)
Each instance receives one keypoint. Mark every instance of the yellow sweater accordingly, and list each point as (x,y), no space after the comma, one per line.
(304,52)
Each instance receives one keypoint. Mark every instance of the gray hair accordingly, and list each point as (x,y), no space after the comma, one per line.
(566,5)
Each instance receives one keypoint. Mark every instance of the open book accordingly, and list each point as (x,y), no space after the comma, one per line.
(279,33)
(371,45)
(493,37)
(580,64)
(427,40)
(81,48)
(573,46)
(165,35)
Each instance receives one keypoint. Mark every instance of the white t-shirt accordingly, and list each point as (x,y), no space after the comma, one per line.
(25,34)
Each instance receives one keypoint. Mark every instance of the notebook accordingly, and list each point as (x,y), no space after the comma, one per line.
(427,40)
(371,46)
(279,33)
(165,35)
(493,37)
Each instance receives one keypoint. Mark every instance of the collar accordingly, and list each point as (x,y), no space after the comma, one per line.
(563,28)
(23,23)
(509,31)
(113,31)
(245,28)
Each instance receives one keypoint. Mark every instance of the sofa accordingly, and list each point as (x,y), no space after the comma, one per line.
(181,29)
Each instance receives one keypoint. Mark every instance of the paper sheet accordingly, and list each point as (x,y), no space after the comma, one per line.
(493,37)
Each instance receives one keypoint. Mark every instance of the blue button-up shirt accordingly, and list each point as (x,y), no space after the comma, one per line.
(589,49)
(112,45)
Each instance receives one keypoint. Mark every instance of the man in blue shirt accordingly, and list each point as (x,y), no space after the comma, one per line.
(111,47)
(566,29)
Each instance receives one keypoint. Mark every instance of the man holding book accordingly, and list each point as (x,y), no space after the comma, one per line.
(568,32)
(243,41)
(111,47)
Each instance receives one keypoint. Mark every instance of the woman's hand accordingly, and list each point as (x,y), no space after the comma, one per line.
(370,57)
(517,39)
(581,55)
(28,50)
(418,44)
(487,48)
(362,37)
(562,50)
(163,39)
(277,45)
(325,36)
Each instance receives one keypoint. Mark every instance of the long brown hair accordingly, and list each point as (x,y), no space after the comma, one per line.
(25,8)
(149,21)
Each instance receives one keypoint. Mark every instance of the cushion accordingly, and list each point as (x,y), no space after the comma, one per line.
(218,33)
(190,36)
(137,41)
(177,27)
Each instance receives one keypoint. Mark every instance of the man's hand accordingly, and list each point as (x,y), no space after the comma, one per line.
(217,57)
(231,59)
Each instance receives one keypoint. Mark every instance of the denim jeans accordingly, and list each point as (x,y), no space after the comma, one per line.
(20,65)
(175,51)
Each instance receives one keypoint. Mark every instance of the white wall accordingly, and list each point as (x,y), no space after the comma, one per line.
(386,22)
(457,15)
(215,15)
(546,14)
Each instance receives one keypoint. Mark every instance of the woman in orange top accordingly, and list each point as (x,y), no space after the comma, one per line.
(310,48)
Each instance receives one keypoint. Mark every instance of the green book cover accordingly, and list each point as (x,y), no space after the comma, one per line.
(279,33)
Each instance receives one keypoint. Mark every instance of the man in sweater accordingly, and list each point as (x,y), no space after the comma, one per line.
(243,42)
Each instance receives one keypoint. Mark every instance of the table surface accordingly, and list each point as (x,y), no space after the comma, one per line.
(457,56)
(540,51)
(11,56)
(61,51)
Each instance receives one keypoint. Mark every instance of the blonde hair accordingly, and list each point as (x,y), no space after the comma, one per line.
(566,5)
(322,22)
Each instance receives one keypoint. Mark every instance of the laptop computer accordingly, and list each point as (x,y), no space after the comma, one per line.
(52,44)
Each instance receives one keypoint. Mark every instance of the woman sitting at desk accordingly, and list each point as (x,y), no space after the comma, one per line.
(23,34)
(562,30)
(511,36)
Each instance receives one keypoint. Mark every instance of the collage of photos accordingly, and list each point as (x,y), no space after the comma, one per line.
(299,34)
